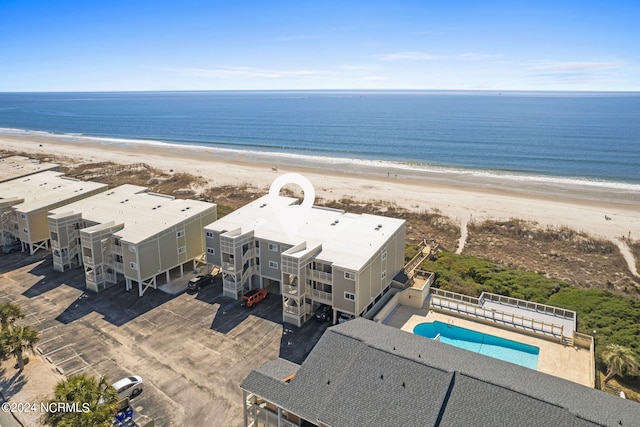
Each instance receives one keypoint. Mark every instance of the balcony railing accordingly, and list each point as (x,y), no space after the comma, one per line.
(250,253)
(296,310)
(292,290)
(228,266)
(320,275)
(321,296)
(229,284)
(87,260)
(268,417)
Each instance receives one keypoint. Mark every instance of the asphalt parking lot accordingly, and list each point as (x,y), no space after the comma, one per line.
(192,350)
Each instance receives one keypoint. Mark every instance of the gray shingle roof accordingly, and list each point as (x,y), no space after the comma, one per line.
(364,373)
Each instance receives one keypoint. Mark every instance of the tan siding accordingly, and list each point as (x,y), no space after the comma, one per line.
(149,262)
(168,251)
(194,239)
(38,226)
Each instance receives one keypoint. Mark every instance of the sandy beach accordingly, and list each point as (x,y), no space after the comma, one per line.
(462,197)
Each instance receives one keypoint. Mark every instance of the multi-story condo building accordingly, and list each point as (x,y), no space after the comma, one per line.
(26,201)
(130,234)
(363,373)
(14,167)
(344,260)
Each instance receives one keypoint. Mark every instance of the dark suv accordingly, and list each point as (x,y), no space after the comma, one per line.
(324,312)
(196,283)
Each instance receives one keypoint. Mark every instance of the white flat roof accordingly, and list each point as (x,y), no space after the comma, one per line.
(143,214)
(348,240)
(45,189)
(18,166)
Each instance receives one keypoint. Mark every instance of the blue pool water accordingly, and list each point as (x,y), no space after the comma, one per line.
(489,345)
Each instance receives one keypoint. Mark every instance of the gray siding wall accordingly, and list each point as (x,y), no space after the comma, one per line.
(340,286)
(267,255)
(213,243)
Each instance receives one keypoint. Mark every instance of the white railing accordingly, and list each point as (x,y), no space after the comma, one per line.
(455,296)
(320,275)
(321,296)
(475,310)
(296,310)
(268,417)
(250,253)
(292,290)
(230,284)
(87,260)
(228,266)
(529,305)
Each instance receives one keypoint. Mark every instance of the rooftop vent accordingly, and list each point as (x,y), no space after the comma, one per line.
(263,205)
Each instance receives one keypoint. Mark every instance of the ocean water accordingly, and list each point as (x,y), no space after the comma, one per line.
(557,136)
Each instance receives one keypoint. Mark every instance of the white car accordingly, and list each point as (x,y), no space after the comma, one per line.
(128,387)
(345,317)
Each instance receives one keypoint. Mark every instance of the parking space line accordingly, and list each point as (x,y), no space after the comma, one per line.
(69,358)
(58,349)
(68,374)
(50,339)
(47,329)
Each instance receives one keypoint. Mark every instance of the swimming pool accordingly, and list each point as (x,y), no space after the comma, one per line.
(489,345)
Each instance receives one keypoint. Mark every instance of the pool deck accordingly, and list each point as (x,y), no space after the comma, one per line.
(571,363)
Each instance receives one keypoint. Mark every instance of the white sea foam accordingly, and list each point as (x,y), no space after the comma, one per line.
(377,166)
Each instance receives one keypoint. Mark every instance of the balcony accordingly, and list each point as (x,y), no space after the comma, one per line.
(87,260)
(291,290)
(228,266)
(320,276)
(267,417)
(322,297)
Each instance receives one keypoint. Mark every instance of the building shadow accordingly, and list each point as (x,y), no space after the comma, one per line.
(231,313)
(116,305)
(296,343)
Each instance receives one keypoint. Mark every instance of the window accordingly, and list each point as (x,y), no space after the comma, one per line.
(182,249)
(23,216)
(134,265)
(209,234)
(180,234)
(349,296)
(383,275)
(26,230)
(211,251)
(384,255)
(273,264)
(349,275)
(273,247)
(132,248)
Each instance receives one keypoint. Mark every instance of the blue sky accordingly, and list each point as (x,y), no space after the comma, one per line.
(245,45)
